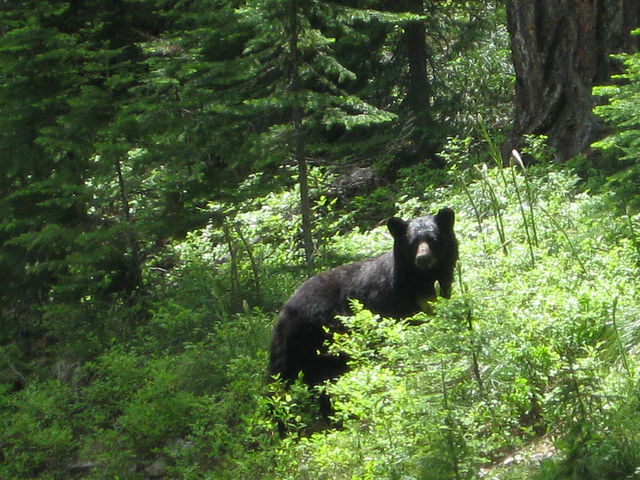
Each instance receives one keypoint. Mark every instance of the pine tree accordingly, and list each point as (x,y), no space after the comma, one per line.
(620,112)
(68,242)
(301,89)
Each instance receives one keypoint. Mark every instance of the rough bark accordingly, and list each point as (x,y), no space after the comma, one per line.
(560,50)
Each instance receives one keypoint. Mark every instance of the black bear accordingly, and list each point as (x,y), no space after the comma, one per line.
(395,284)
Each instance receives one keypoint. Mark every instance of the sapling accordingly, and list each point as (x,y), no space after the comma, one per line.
(464,290)
(449,424)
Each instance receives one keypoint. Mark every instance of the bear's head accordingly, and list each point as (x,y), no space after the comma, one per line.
(424,241)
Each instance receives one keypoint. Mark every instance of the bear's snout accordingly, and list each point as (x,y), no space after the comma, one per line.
(424,256)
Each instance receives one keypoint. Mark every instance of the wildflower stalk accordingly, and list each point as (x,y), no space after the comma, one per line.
(527,186)
(476,212)
(623,352)
(495,206)
(515,155)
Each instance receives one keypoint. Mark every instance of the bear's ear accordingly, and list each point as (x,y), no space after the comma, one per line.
(397,227)
(445,218)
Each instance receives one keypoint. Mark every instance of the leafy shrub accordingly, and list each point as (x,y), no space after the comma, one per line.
(38,438)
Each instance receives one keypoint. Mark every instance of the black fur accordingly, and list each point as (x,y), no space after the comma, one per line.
(395,284)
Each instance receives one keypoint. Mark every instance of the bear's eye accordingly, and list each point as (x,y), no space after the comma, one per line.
(434,243)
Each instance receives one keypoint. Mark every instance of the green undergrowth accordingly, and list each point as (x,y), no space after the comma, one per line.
(537,343)
(529,348)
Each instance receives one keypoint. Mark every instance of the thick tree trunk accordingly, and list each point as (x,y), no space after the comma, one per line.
(560,50)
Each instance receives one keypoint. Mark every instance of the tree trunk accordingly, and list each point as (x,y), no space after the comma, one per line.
(134,273)
(297,115)
(418,89)
(560,50)
(418,97)
(305,202)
